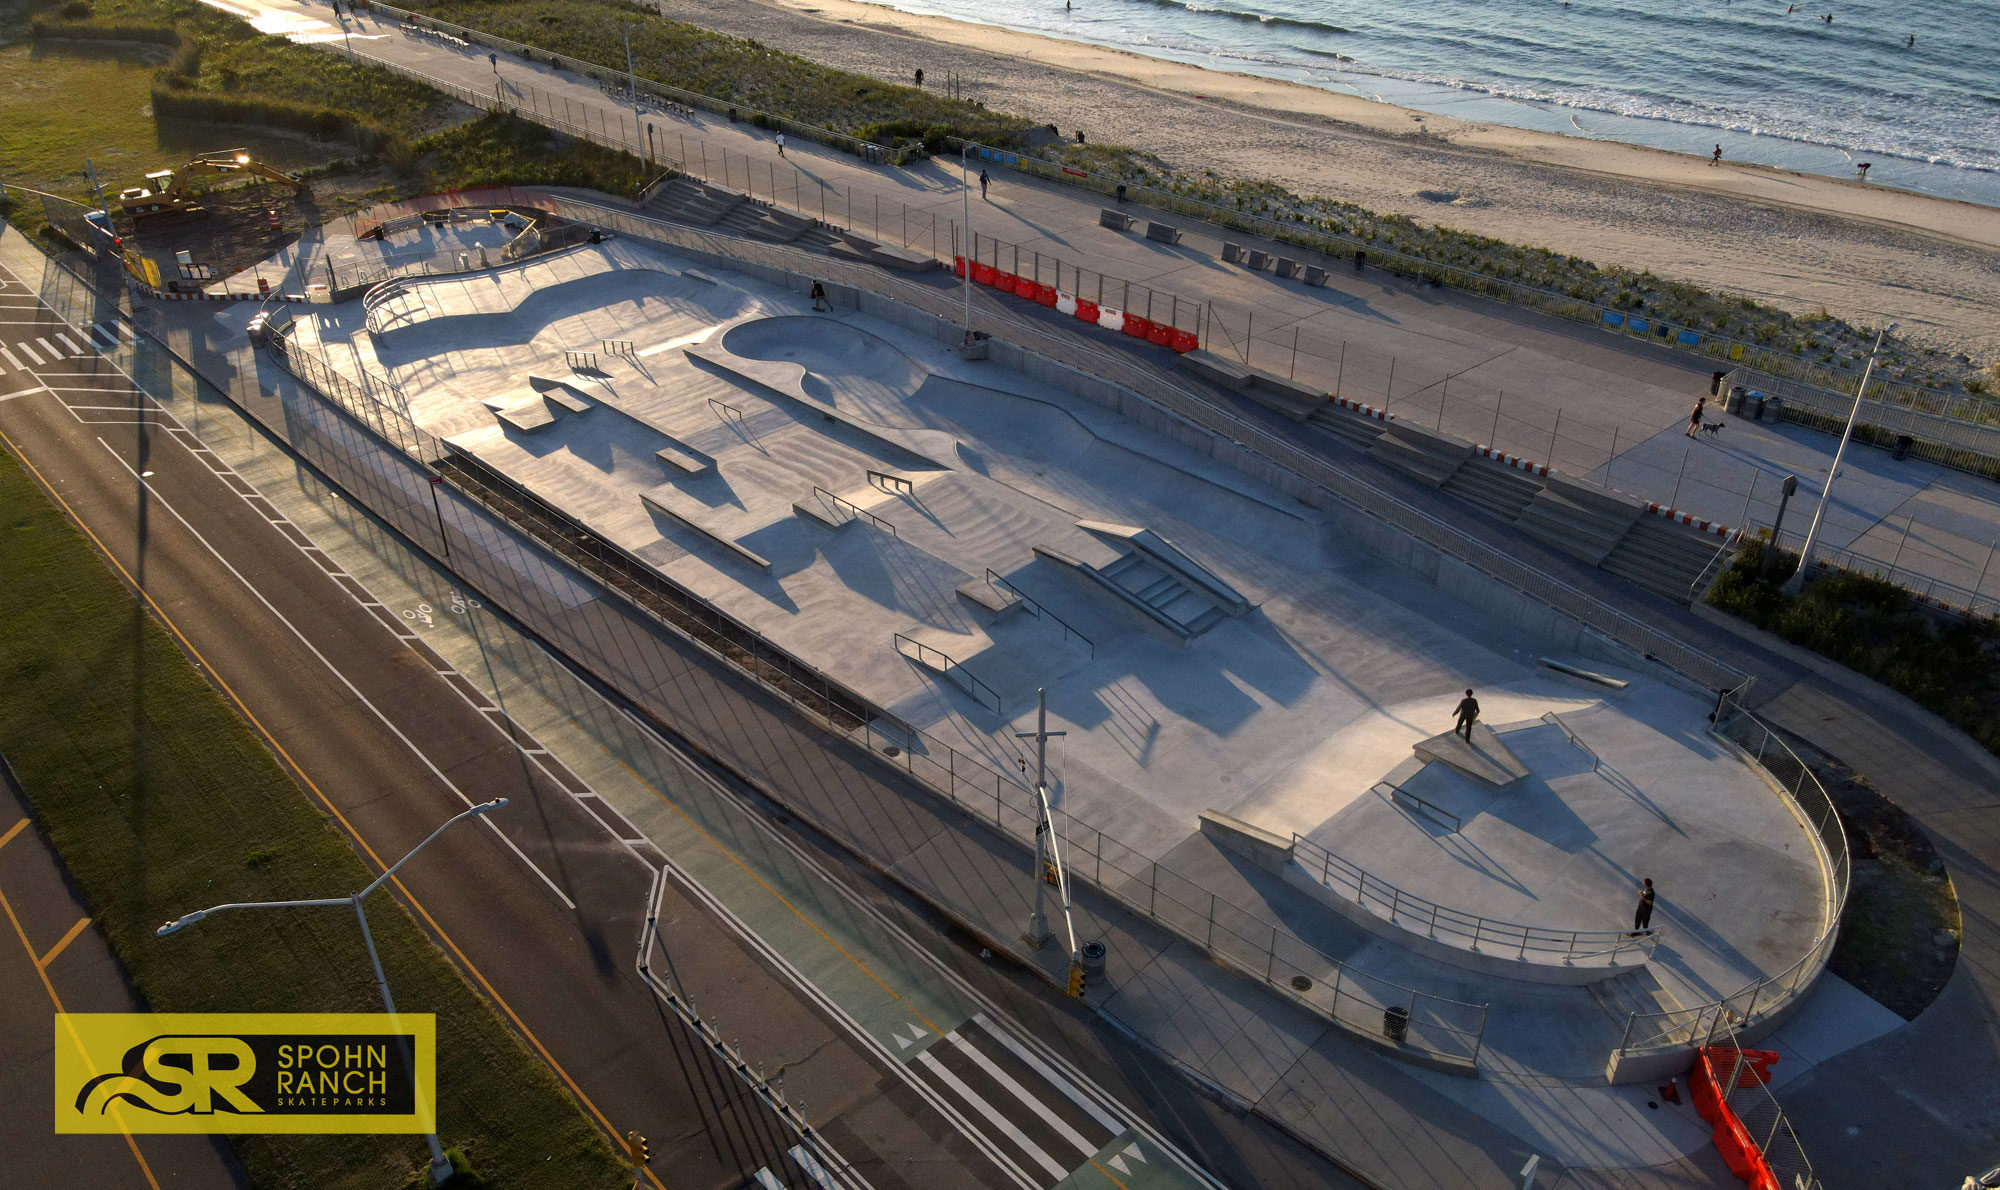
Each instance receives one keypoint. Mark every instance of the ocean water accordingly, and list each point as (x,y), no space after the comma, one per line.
(1777,88)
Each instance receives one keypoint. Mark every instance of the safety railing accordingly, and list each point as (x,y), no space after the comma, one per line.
(1467,931)
(1953,429)
(1035,609)
(838,504)
(1575,740)
(1741,1087)
(1741,1011)
(1723,553)
(953,670)
(1417,805)
(1968,602)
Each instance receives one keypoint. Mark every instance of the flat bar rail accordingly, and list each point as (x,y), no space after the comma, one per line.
(853,510)
(1556,721)
(954,671)
(1467,931)
(1431,810)
(1035,609)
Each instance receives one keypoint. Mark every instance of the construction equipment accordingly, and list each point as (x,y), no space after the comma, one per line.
(166,191)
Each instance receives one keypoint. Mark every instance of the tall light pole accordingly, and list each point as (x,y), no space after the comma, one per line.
(965,203)
(440,1170)
(1038,926)
(1797,582)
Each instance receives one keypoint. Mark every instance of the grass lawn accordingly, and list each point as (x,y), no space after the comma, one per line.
(161,799)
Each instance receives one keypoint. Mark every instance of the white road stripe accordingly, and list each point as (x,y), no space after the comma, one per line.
(11,361)
(28,351)
(387,722)
(1039,1067)
(1006,1127)
(55,353)
(109,338)
(27,392)
(75,348)
(1019,1092)
(807,1162)
(765,1180)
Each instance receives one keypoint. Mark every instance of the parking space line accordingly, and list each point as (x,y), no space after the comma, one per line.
(49,955)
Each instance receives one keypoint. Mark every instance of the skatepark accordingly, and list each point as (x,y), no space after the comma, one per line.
(1250,700)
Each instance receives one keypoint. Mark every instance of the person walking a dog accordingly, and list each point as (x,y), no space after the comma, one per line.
(1468,714)
(1643,919)
(1694,419)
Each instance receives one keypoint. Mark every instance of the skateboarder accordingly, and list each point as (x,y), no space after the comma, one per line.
(1643,919)
(1468,713)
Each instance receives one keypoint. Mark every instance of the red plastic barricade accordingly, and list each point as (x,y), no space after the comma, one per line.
(1006,283)
(1086,311)
(1045,295)
(1160,335)
(983,273)
(1732,1141)
(1137,327)
(958,266)
(1184,342)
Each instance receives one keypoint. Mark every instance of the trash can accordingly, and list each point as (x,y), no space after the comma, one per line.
(1753,405)
(1093,959)
(1733,403)
(1360,260)
(1395,1023)
(1903,444)
(1715,383)
(1774,409)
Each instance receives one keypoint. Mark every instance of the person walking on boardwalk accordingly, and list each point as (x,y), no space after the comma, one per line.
(1694,419)
(983,179)
(1717,159)
(1643,919)
(781,144)
(1468,714)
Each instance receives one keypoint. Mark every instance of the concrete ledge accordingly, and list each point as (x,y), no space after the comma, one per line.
(1582,675)
(1289,397)
(684,460)
(1165,233)
(1269,851)
(1115,220)
(665,501)
(986,597)
(1210,366)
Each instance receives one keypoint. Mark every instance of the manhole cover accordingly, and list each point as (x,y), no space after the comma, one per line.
(1302,983)
(892,750)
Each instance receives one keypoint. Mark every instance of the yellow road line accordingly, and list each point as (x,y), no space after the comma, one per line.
(12,831)
(117,1109)
(49,955)
(243,708)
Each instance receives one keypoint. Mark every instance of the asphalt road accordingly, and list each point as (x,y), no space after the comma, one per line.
(544,910)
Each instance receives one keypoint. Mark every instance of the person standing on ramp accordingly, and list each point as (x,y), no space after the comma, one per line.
(1468,714)
(1643,919)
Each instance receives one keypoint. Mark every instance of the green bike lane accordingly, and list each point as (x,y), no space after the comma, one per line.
(1030,1110)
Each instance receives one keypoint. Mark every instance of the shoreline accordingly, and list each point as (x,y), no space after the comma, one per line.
(1802,242)
(1959,220)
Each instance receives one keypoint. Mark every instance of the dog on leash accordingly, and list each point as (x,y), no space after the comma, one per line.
(1711,427)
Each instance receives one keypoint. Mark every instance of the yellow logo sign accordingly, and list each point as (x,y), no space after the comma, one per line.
(246,1072)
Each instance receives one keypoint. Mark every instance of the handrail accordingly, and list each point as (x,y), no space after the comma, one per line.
(854,510)
(1429,809)
(1467,931)
(1038,611)
(1686,1027)
(950,665)
(1722,552)
(1595,763)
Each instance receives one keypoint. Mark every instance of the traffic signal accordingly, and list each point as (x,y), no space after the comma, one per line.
(1076,981)
(1049,876)
(637,1149)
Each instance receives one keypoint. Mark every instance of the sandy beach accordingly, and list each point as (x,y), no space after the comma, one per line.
(1801,241)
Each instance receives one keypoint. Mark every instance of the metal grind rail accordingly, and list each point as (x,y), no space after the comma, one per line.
(1035,609)
(1417,805)
(1467,931)
(952,670)
(854,511)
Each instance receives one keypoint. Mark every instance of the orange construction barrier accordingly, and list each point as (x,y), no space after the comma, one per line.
(1137,327)
(1161,335)
(1045,295)
(1184,342)
(1086,311)
(983,273)
(958,266)
(1007,283)
(1739,1152)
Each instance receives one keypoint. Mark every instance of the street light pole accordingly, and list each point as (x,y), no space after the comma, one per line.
(440,1168)
(1797,582)
(437,481)
(1038,926)
(965,204)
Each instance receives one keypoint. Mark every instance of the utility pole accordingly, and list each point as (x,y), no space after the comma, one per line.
(632,77)
(1038,925)
(965,202)
(1797,582)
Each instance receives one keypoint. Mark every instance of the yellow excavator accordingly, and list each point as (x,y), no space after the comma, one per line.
(166,191)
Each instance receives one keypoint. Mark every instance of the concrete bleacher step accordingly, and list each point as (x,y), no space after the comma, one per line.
(688,201)
(1429,456)
(1631,992)
(1494,487)
(1346,426)
(1663,557)
(770,225)
(1485,758)
(1584,529)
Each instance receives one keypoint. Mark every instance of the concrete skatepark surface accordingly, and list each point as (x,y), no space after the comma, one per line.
(1284,715)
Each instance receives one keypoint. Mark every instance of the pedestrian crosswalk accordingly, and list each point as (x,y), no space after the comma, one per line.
(26,352)
(1022,1106)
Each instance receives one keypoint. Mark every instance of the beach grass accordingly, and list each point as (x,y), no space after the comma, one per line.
(161,799)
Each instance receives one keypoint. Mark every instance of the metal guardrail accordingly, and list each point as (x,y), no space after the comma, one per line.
(1035,609)
(1934,592)
(1740,1011)
(954,671)
(1957,431)
(1556,720)
(1466,931)
(1243,939)
(1429,809)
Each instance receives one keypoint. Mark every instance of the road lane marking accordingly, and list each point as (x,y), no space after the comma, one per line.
(12,831)
(34,360)
(49,955)
(55,353)
(1056,1170)
(75,349)
(12,362)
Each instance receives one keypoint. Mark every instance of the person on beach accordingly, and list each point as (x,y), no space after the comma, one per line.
(1468,714)
(983,179)
(1913,42)
(1643,919)
(1717,159)
(1694,419)
(1861,169)
(781,144)
(920,76)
